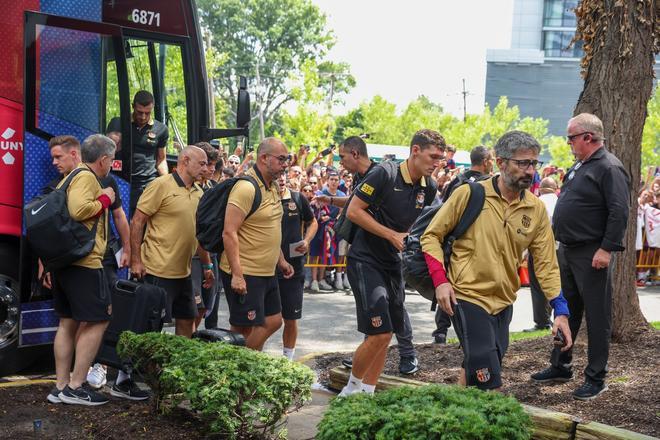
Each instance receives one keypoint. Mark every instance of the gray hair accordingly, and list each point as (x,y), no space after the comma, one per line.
(513,141)
(591,124)
(478,155)
(96,146)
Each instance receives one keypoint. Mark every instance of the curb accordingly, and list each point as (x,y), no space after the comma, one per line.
(26,382)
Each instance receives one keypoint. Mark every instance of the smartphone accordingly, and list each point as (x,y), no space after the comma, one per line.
(559,340)
(327,150)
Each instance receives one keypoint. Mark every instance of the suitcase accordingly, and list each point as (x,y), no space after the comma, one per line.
(137,307)
(220,335)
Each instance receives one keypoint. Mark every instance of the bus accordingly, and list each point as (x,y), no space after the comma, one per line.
(69,67)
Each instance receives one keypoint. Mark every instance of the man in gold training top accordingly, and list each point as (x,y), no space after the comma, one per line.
(480,288)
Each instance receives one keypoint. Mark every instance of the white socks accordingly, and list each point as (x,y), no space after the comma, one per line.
(288,353)
(354,385)
(369,389)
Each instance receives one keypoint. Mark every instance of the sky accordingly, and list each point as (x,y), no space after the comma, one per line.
(403,49)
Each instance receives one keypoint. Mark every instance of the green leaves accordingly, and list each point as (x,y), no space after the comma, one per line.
(430,412)
(240,393)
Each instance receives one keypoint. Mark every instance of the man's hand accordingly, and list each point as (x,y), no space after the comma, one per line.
(397,239)
(303,247)
(137,269)
(125,259)
(445,297)
(601,259)
(287,269)
(321,200)
(208,278)
(238,285)
(110,193)
(561,322)
(46,277)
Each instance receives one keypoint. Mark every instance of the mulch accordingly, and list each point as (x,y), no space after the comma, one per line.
(632,401)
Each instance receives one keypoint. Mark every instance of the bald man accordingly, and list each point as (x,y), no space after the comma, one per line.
(162,255)
(252,248)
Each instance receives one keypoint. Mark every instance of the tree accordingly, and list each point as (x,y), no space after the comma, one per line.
(621,38)
(266,41)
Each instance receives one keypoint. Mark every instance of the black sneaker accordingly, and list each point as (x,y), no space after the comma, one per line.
(589,391)
(408,365)
(537,328)
(82,396)
(552,374)
(128,389)
(54,396)
(348,363)
(440,339)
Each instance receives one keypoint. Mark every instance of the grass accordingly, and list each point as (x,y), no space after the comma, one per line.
(655,325)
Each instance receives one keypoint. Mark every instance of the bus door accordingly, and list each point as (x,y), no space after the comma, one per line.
(68,63)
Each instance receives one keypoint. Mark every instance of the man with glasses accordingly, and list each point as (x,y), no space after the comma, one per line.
(590,221)
(252,249)
(479,290)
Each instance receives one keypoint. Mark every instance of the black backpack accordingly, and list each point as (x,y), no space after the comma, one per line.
(56,238)
(211,212)
(415,270)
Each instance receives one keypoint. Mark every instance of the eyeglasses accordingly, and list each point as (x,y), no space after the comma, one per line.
(524,164)
(570,137)
(233,162)
(281,159)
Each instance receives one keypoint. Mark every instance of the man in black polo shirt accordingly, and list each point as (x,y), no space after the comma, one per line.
(387,202)
(297,214)
(149,141)
(589,222)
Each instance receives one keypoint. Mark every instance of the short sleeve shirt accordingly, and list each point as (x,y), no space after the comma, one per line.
(260,235)
(395,206)
(169,241)
(293,220)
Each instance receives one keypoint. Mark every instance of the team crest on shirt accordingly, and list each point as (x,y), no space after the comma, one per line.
(483,375)
(151,135)
(376,321)
(419,201)
(251,315)
(367,189)
(526,221)
(292,206)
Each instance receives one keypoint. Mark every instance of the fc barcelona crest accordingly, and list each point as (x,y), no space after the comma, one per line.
(526,221)
(292,206)
(419,201)
(376,321)
(483,375)
(252,314)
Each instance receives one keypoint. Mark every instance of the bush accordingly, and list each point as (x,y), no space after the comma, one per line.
(429,412)
(240,393)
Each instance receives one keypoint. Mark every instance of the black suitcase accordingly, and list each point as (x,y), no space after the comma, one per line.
(220,335)
(137,307)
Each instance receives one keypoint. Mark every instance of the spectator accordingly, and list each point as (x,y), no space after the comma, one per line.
(162,256)
(589,222)
(374,261)
(252,249)
(234,162)
(481,160)
(81,297)
(451,164)
(297,214)
(480,313)
(149,142)
(227,173)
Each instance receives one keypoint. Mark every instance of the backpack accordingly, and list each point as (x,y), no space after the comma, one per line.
(56,238)
(345,228)
(210,219)
(415,270)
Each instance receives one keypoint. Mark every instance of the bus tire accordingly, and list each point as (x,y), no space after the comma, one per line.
(10,360)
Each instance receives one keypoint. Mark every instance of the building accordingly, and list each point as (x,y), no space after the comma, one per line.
(539,73)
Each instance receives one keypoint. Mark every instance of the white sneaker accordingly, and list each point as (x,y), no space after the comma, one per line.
(339,285)
(347,285)
(96,376)
(306,284)
(315,286)
(323,285)
(345,392)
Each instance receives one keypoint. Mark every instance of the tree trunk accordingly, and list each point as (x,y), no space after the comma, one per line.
(620,39)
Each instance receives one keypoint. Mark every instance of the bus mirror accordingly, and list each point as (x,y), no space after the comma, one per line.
(243,105)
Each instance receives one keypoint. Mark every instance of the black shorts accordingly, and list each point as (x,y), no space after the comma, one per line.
(379,296)
(180,298)
(262,299)
(484,339)
(81,294)
(291,296)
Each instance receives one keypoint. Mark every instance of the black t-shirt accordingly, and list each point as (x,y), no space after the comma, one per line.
(395,202)
(146,142)
(294,218)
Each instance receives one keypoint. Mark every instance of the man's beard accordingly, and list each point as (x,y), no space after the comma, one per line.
(518,184)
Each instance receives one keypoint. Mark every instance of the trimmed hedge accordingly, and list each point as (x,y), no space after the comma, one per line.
(240,393)
(428,412)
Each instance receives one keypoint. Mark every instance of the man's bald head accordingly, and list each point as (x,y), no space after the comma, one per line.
(271,145)
(549,185)
(192,152)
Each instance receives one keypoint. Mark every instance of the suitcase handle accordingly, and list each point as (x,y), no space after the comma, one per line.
(126,286)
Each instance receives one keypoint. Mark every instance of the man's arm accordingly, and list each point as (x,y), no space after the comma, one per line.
(617,201)
(339,201)
(207,265)
(161,162)
(357,213)
(137,232)
(234,218)
(81,201)
(121,223)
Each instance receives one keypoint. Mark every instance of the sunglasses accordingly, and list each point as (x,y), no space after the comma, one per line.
(570,137)
(233,162)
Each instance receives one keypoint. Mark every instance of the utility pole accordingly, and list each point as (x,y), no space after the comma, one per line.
(332,92)
(259,99)
(464,93)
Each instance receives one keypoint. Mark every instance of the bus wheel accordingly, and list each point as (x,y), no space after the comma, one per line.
(9,309)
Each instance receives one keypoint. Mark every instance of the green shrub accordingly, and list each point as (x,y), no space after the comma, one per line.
(429,412)
(241,393)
